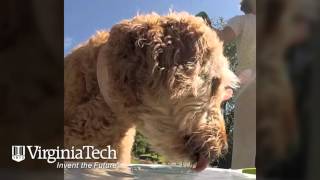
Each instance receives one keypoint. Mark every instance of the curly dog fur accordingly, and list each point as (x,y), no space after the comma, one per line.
(162,75)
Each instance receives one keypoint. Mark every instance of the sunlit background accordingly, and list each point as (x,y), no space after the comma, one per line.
(82,18)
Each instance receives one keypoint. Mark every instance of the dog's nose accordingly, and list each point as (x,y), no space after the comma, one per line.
(194,147)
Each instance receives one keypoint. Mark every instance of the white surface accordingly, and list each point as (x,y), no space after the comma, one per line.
(155,172)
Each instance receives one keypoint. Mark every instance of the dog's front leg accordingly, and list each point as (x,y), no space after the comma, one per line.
(125,146)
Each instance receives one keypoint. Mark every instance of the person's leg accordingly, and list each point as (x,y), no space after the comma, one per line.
(244,136)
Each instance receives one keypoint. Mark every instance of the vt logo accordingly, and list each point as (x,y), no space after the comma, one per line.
(18,153)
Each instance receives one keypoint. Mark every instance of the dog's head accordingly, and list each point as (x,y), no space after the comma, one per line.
(169,75)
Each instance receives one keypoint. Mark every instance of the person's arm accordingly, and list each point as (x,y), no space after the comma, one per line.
(231,30)
(227,34)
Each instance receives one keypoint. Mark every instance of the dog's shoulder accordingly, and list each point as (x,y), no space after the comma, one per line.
(88,50)
(80,81)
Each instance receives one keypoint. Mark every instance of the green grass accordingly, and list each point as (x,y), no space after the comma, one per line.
(249,170)
(149,157)
(135,161)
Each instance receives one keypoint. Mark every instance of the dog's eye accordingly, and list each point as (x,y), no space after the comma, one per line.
(215,82)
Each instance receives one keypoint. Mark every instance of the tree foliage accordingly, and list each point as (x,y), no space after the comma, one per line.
(230,51)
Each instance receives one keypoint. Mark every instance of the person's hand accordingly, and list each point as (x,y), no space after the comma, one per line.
(228,94)
(246,76)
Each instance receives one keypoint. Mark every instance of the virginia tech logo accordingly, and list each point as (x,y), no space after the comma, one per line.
(52,155)
(18,153)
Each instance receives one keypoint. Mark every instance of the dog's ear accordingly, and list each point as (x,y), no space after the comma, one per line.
(153,56)
(178,56)
(123,64)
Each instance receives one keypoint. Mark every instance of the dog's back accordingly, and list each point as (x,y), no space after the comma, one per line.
(82,99)
(88,120)
(80,81)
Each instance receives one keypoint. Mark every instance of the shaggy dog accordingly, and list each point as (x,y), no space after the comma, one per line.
(165,76)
